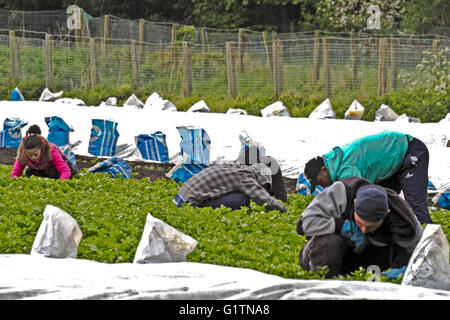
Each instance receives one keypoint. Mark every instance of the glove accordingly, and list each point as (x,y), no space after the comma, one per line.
(395,273)
(351,231)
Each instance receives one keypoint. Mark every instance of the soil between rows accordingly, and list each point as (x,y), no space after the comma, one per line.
(142,169)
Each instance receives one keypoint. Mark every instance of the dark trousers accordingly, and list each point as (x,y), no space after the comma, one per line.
(412,178)
(232,200)
(332,251)
(52,173)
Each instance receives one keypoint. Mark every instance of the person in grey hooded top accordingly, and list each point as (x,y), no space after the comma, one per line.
(354,223)
(231,185)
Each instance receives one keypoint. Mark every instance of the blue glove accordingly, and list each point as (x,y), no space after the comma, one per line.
(351,231)
(395,273)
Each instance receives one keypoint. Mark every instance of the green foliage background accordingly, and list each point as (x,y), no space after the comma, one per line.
(111,213)
(414,16)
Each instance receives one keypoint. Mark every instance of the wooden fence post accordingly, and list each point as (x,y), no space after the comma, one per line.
(106,32)
(204,36)
(141,38)
(268,54)
(93,63)
(134,64)
(241,50)
(278,67)
(48,62)
(204,41)
(436,48)
(353,61)
(82,32)
(14,58)
(274,35)
(382,67)
(316,53)
(231,70)
(393,84)
(326,67)
(187,69)
(173,40)
(78,31)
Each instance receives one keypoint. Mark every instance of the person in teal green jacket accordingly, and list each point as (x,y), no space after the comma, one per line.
(391,159)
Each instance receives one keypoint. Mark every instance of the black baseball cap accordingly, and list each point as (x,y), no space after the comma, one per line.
(371,202)
(312,169)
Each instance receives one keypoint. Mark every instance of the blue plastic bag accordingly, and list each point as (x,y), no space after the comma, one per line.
(444,201)
(153,146)
(114,166)
(186,171)
(11,136)
(430,186)
(248,143)
(195,142)
(16,95)
(103,138)
(304,187)
(58,131)
(67,150)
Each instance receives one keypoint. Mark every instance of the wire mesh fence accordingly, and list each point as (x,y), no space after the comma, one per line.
(112,27)
(204,61)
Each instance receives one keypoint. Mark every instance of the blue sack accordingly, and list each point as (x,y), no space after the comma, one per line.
(16,95)
(304,187)
(67,150)
(248,143)
(153,146)
(186,171)
(444,200)
(58,131)
(195,142)
(114,166)
(103,138)
(11,136)
(430,186)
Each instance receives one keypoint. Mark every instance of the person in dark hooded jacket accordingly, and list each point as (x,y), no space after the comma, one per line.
(231,185)
(354,223)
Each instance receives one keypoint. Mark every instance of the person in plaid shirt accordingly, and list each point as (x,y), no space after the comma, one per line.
(231,185)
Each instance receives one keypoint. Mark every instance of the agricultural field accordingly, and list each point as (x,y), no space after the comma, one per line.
(111,213)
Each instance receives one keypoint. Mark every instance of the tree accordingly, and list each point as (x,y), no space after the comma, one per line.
(351,15)
(422,16)
(254,14)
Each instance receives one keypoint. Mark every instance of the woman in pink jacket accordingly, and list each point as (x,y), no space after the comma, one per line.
(44,159)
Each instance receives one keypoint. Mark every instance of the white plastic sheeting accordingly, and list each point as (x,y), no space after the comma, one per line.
(292,141)
(58,236)
(199,106)
(323,111)
(161,242)
(133,101)
(49,96)
(275,109)
(429,264)
(156,102)
(355,111)
(236,111)
(37,277)
(385,113)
